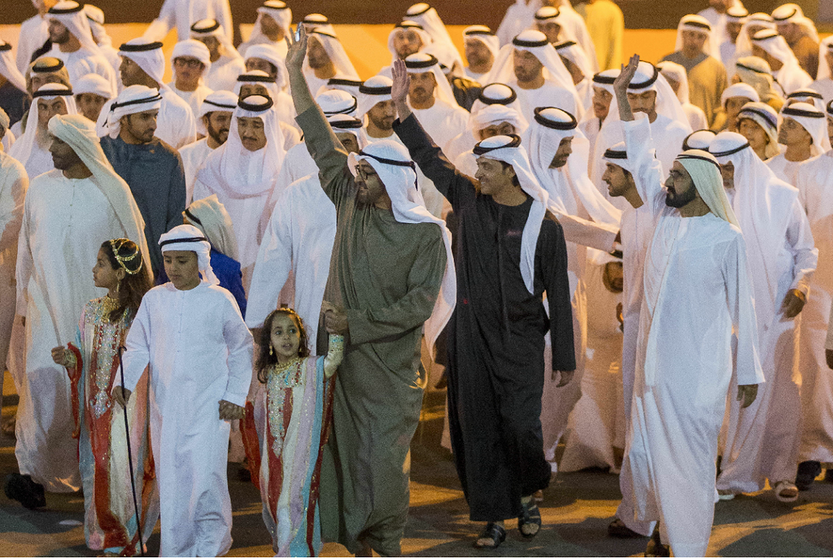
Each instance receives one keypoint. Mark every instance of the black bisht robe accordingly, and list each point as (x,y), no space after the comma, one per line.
(496,337)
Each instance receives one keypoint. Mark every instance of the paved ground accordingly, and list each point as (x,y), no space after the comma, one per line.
(576,511)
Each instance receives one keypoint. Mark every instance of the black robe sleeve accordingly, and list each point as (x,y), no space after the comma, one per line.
(551,254)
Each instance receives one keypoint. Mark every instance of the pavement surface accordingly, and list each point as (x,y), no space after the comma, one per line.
(576,510)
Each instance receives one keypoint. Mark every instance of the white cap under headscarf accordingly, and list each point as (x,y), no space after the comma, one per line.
(188,238)
(216,101)
(148,56)
(422,63)
(335,50)
(22,148)
(8,68)
(95,17)
(235,170)
(134,99)
(813,120)
(212,219)
(491,115)
(191,48)
(705,173)
(763,201)
(375,90)
(498,94)
(271,55)
(71,15)
(95,84)
(350,86)
(698,24)
(318,21)
(335,101)
(483,34)
(536,43)
(398,174)
(758,20)
(79,133)
(571,183)
(442,46)
(509,150)
(701,139)
(212,28)
(278,11)
(765,117)
(258,76)
(792,13)
(408,25)
(743,90)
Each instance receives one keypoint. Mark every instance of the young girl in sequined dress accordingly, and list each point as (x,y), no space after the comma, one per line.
(297,402)
(93,365)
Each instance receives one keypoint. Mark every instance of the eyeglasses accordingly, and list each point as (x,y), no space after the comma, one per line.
(364,175)
(192,63)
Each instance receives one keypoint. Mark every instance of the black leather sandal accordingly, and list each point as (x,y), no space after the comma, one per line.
(530,515)
(493,531)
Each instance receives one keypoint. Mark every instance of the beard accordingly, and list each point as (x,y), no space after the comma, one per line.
(216,134)
(673,199)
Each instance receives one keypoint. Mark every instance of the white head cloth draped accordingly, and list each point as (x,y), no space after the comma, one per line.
(442,45)
(813,120)
(235,170)
(278,11)
(509,150)
(71,15)
(375,90)
(421,63)
(701,139)
(398,173)
(672,71)
(792,13)
(496,114)
(351,86)
(213,28)
(95,84)
(260,77)
(148,56)
(776,46)
(570,183)
(191,48)
(25,144)
(743,90)
(95,17)
(271,55)
(536,43)
(217,101)
(602,80)
(757,73)
(79,133)
(806,95)
(765,117)
(211,217)
(335,101)
(404,26)
(318,21)
(705,173)
(698,24)
(134,99)
(8,69)
(188,238)
(335,50)
(573,52)
(825,47)
(499,94)
(753,23)
(483,34)
(762,200)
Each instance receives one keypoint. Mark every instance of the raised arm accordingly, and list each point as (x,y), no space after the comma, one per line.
(451,183)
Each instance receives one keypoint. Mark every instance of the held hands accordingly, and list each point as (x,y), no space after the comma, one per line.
(121,395)
(297,50)
(566,377)
(230,411)
(747,394)
(59,356)
(335,319)
(793,303)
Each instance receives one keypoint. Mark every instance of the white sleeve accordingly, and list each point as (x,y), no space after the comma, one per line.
(274,261)
(137,356)
(160,26)
(240,348)
(742,309)
(648,170)
(587,233)
(25,263)
(802,247)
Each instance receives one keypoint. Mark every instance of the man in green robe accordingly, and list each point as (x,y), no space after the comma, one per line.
(385,275)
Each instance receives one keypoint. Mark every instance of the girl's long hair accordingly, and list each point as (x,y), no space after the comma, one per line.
(136,281)
(266,360)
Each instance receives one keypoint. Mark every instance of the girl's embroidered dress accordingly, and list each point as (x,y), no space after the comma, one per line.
(292,431)
(110,517)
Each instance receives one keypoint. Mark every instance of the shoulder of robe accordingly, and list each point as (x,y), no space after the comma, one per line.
(44,180)
(176,103)
(10,165)
(165,149)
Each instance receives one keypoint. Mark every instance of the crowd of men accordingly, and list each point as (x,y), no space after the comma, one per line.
(632,260)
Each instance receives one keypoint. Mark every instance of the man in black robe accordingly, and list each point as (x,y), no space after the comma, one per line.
(509,252)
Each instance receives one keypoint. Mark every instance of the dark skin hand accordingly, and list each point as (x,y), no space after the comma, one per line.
(747,394)
(335,319)
(793,303)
